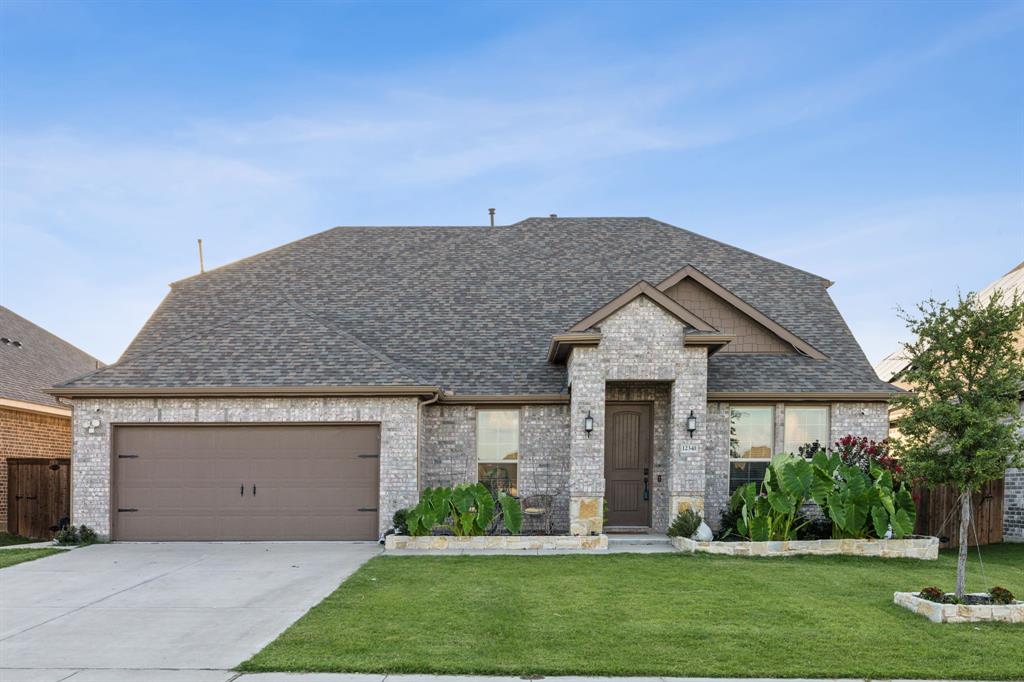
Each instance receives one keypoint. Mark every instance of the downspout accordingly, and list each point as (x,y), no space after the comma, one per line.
(419,421)
(71,459)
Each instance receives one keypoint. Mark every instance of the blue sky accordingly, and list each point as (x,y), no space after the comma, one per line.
(879,145)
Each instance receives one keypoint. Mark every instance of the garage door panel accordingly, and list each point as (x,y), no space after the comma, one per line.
(184,481)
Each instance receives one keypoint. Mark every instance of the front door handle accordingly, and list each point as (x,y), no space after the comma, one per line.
(647,490)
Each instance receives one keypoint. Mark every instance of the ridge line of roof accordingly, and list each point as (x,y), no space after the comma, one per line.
(746,251)
(325,231)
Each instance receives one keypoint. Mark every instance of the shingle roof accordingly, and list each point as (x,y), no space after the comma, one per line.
(470,309)
(32,360)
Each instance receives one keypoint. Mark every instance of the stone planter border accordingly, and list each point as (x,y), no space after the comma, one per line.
(909,548)
(960,613)
(496,543)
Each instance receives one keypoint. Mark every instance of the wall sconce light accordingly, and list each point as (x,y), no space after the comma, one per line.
(588,424)
(691,423)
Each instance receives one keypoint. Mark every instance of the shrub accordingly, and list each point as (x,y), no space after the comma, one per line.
(727,524)
(466,509)
(861,503)
(1001,595)
(398,521)
(774,513)
(932,594)
(68,535)
(685,524)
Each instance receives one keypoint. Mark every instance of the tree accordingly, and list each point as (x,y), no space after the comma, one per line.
(961,424)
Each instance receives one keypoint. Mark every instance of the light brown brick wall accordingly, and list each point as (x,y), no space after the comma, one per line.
(27,434)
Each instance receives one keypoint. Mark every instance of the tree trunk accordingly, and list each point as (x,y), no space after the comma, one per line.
(965,523)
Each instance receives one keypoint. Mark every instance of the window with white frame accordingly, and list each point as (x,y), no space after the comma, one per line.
(751,438)
(497,450)
(806,425)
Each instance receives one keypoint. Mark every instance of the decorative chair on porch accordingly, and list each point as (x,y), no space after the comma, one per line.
(537,514)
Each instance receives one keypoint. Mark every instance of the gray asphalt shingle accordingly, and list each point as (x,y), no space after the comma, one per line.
(471,309)
(32,360)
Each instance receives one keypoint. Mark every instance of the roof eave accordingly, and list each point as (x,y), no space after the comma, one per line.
(242,391)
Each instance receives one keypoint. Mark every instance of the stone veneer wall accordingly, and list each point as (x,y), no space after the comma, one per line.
(92,456)
(1013,505)
(1013,502)
(640,342)
(448,451)
(859,419)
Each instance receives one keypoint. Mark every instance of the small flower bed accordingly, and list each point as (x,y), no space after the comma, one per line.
(997,595)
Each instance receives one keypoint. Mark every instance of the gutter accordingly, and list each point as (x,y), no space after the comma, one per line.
(243,391)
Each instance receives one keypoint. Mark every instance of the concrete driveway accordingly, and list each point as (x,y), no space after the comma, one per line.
(163,605)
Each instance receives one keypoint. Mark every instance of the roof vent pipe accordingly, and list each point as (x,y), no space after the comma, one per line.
(490,212)
(202,267)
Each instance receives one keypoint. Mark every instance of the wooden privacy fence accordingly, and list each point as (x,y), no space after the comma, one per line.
(938,514)
(38,495)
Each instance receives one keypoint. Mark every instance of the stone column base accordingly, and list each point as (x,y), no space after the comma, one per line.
(680,503)
(586,515)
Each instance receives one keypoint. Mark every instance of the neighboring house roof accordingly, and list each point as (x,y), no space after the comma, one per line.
(470,309)
(893,365)
(32,360)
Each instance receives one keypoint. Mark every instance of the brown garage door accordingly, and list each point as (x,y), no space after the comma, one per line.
(274,482)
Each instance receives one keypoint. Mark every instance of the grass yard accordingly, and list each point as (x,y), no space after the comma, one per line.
(8,539)
(653,614)
(10,557)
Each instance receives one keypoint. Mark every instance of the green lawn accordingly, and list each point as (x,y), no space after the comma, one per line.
(7,539)
(10,557)
(653,614)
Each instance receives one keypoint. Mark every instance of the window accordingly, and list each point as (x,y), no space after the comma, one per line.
(497,449)
(751,435)
(805,425)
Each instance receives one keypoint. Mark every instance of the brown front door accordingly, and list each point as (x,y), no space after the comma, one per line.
(246,482)
(627,463)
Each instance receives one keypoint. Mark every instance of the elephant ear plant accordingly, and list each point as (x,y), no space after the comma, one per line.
(861,503)
(467,509)
(774,514)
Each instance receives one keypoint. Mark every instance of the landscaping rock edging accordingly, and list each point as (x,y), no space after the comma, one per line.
(960,613)
(910,548)
(449,543)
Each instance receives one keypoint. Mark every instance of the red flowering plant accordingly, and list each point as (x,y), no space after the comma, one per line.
(861,452)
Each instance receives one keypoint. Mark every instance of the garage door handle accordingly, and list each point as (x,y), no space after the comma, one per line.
(241,490)
(254,490)
(367,509)
(368,456)
(127,509)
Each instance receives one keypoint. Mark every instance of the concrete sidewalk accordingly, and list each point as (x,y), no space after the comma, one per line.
(58,675)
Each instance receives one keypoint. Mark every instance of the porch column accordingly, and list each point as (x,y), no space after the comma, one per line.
(686,463)
(586,451)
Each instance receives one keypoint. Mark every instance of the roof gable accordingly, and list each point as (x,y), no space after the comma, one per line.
(765,334)
(647,290)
